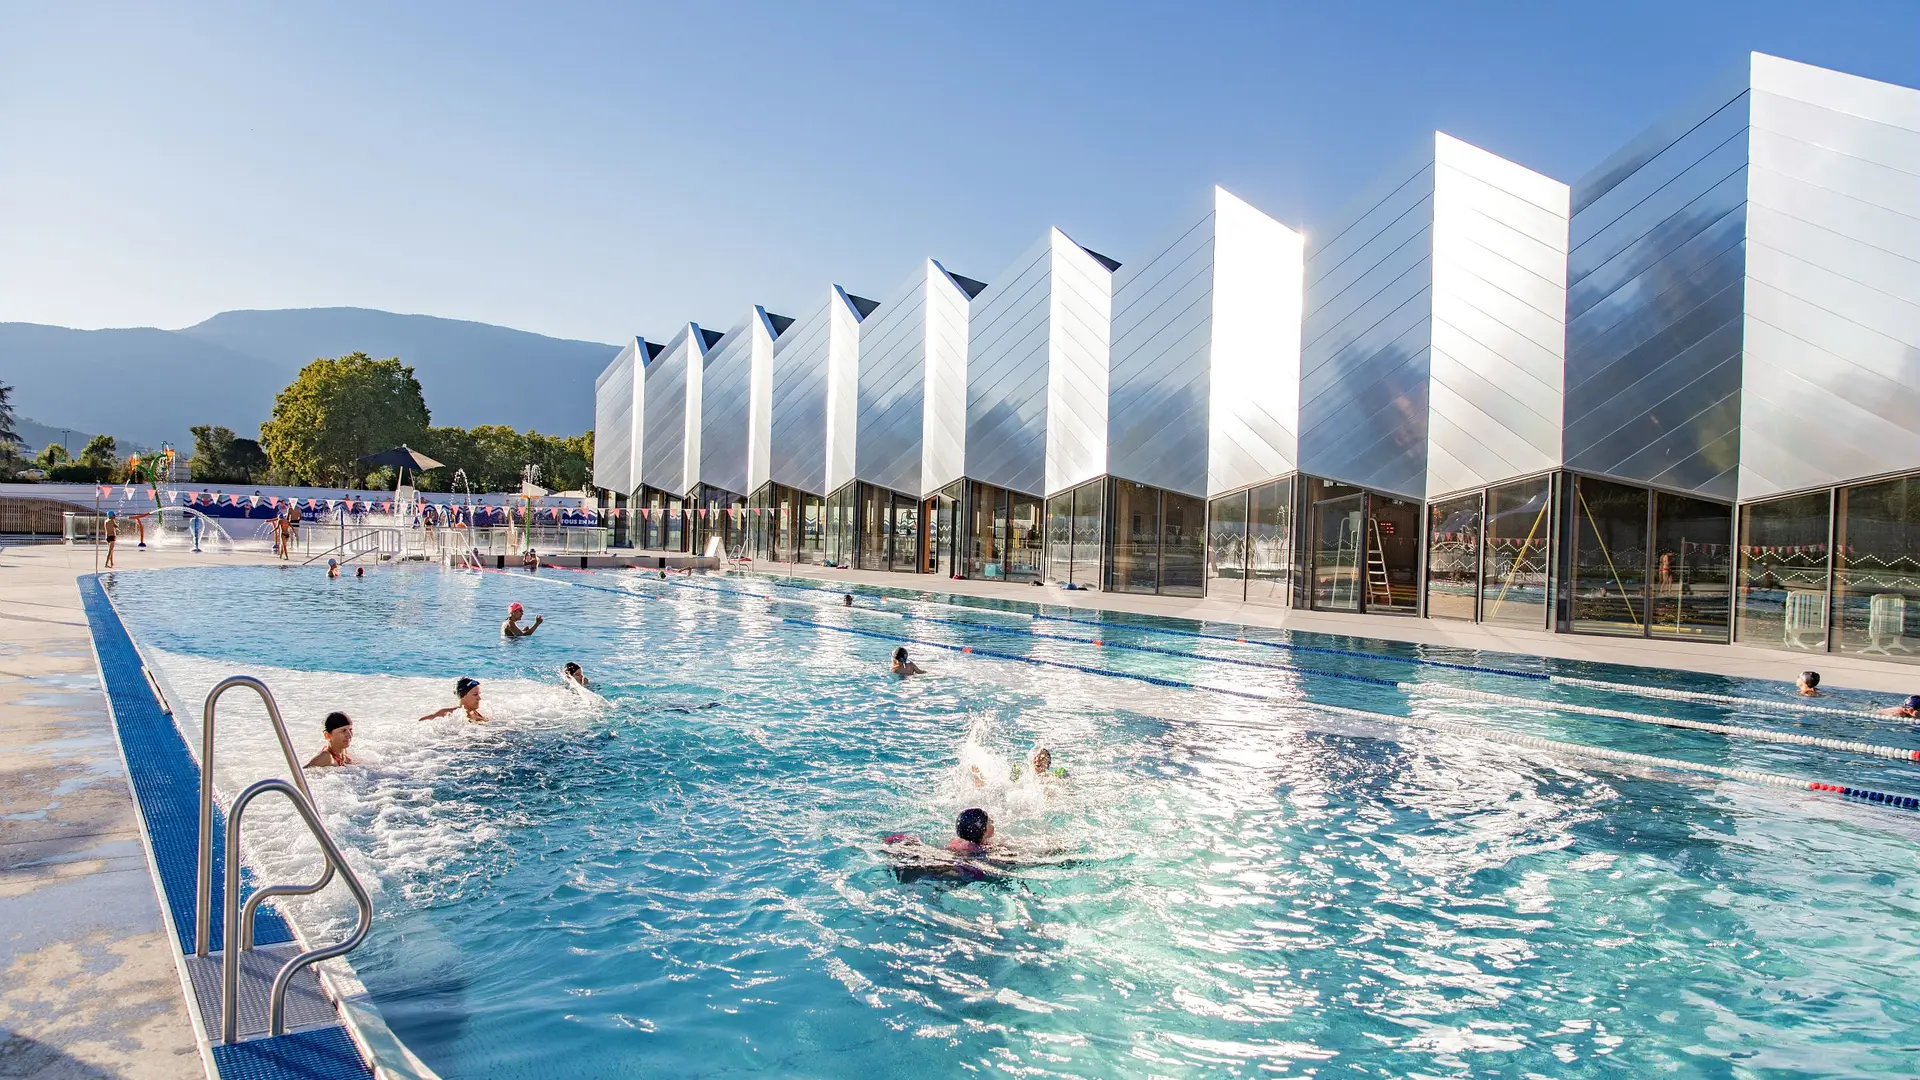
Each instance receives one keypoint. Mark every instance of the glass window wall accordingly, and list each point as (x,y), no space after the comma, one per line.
(1227,547)
(1782,598)
(1024,543)
(1688,596)
(1073,534)
(1269,541)
(1876,570)
(1133,528)
(1453,558)
(1609,557)
(813,528)
(986,526)
(1513,583)
(1393,555)
(842,526)
(1183,544)
(906,535)
(1338,543)
(875,506)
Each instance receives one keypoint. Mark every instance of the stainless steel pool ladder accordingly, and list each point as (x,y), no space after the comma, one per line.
(239,921)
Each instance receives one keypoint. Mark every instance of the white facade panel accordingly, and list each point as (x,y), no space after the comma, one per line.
(943,442)
(616,421)
(670,456)
(912,385)
(844,320)
(1079,350)
(1259,288)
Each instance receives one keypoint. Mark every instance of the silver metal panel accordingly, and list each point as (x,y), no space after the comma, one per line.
(843,389)
(670,454)
(943,443)
(1831,381)
(616,416)
(724,407)
(1157,378)
(1655,292)
(1253,380)
(1079,350)
(760,400)
(892,387)
(1498,339)
(1365,363)
(798,430)
(1008,369)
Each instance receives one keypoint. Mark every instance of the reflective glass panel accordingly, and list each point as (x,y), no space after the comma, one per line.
(1610,557)
(906,534)
(875,518)
(1183,544)
(1338,540)
(1692,563)
(1453,557)
(1782,600)
(1060,537)
(1518,530)
(1393,555)
(1227,547)
(1133,524)
(1089,511)
(1024,544)
(984,529)
(1269,541)
(1876,571)
(813,528)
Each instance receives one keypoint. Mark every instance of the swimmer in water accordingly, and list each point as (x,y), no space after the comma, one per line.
(846,599)
(902,666)
(359,571)
(469,691)
(1906,710)
(1043,767)
(512,628)
(333,568)
(572,674)
(1808,684)
(339,733)
(971,832)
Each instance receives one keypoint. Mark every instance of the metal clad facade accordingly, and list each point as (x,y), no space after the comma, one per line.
(724,410)
(1655,296)
(615,418)
(943,441)
(892,387)
(1254,359)
(670,452)
(843,389)
(1079,345)
(1007,372)
(798,402)
(1157,379)
(1498,350)
(1831,381)
(1365,358)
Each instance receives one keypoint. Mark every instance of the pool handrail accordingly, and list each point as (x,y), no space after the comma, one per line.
(230,959)
(203,892)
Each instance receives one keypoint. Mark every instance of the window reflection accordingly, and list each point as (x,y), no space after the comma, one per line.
(1338,542)
(1133,523)
(1269,541)
(1692,556)
(1392,555)
(1227,547)
(1514,561)
(1073,534)
(1453,557)
(1182,544)
(1876,573)
(1783,573)
(1610,557)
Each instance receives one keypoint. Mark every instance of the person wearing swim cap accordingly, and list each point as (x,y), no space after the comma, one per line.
(846,599)
(512,628)
(1808,684)
(572,674)
(902,666)
(469,692)
(971,832)
(1906,710)
(333,568)
(339,733)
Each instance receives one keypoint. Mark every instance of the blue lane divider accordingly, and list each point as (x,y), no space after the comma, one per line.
(165,779)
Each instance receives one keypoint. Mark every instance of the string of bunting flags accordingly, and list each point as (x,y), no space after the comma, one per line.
(452,513)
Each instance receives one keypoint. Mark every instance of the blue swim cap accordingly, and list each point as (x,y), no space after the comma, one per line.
(1913,701)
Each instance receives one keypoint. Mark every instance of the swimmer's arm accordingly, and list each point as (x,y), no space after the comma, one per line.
(321,760)
(443,712)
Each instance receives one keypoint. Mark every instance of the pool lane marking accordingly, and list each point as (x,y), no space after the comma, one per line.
(1530,676)
(1755,776)
(1890,753)
(1454,727)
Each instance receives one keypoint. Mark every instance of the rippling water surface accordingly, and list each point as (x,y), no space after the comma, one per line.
(685,874)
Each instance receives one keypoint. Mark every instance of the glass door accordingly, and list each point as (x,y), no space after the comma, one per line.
(1339,543)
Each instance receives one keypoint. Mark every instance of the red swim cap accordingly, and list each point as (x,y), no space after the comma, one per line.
(514,607)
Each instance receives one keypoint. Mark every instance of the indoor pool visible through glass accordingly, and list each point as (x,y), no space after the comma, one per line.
(685,874)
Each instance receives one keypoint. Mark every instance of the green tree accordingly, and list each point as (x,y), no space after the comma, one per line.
(9,435)
(492,456)
(221,457)
(338,411)
(101,452)
(51,456)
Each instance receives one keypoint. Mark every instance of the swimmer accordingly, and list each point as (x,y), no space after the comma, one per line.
(512,628)
(333,568)
(572,674)
(469,692)
(339,732)
(531,560)
(359,571)
(1808,684)
(846,599)
(971,832)
(1043,767)
(1906,710)
(902,666)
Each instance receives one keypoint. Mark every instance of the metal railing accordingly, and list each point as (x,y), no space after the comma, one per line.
(235,919)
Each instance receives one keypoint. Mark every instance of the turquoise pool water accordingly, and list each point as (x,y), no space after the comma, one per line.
(685,876)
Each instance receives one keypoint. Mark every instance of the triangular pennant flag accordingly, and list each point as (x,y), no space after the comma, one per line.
(253,501)
(127,492)
(172,496)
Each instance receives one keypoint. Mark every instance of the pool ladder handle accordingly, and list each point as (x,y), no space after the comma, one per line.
(302,798)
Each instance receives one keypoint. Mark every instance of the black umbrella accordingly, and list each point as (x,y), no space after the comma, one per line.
(402,458)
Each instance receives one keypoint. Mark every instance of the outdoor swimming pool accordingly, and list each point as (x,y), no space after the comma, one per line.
(685,876)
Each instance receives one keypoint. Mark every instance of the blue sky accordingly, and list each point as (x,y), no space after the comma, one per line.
(596,171)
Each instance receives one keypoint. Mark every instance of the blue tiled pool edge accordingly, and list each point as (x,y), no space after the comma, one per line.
(165,781)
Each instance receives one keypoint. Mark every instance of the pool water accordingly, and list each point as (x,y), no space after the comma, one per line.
(685,874)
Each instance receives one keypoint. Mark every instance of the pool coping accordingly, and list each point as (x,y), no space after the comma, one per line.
(361,1036)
